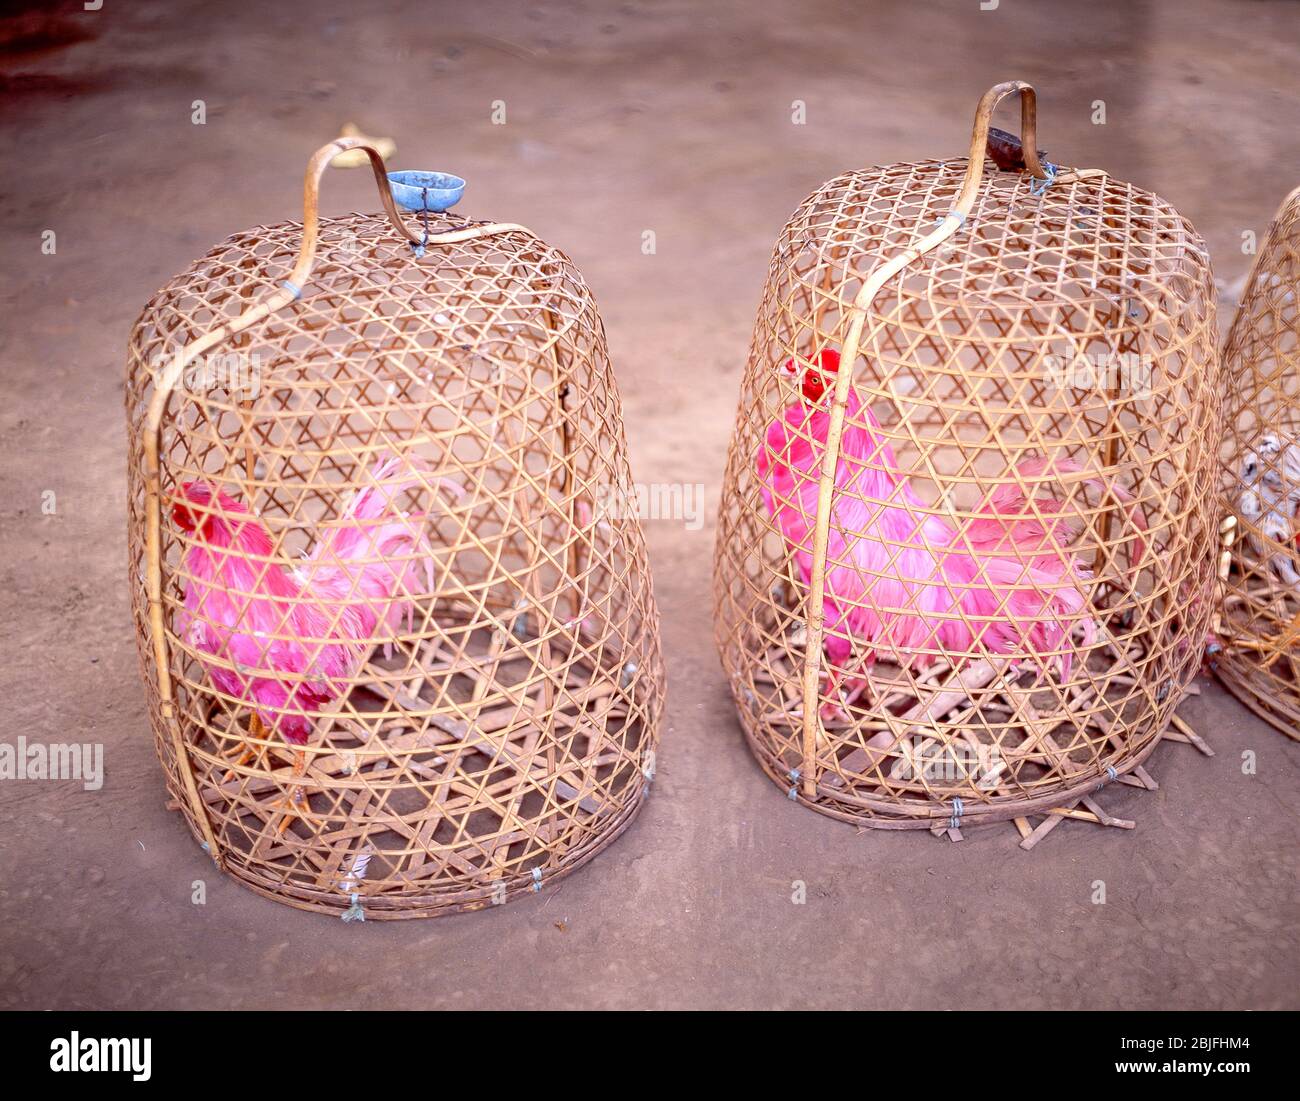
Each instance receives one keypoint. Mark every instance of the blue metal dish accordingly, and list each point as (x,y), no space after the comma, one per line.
(433,191)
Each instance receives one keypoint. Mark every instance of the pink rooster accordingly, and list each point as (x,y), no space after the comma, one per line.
(289,640)
(1003,582)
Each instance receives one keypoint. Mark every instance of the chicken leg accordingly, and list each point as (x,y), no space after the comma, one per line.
(293,804)
(248,752)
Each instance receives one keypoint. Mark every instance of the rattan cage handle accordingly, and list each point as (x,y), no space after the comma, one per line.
(979,138)
(172,373)
(170,376)
(320,161)
(876,279)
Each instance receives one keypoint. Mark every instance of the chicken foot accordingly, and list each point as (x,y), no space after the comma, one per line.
(247,752)
(293,804)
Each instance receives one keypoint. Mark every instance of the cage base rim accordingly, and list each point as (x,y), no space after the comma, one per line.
(1244,692)
(927,817)
(405,907)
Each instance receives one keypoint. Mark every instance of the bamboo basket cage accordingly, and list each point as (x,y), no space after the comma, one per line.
(439,389)
(968,301)
(1258,657)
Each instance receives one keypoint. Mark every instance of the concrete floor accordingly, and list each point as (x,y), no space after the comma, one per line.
(668,116)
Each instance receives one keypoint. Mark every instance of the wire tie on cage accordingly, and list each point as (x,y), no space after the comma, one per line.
(355,912)
(537,879)
(418,250)
(954,823)
(360,863)
(1110,771)
(292,288)
(1036,186)
(793,793)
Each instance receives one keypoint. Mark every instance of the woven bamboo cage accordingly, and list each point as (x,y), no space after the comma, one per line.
(1259,659)
(1007,331)
(401,658)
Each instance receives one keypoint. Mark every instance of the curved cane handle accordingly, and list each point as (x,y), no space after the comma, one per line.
(168,379)
(856,316)
(320,160)
(980,135)
(172,373)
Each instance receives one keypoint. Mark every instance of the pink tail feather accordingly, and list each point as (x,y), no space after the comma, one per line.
(1009,499)
(1035,535)
(376,552)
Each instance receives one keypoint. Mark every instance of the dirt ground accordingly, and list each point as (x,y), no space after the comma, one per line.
(669,116)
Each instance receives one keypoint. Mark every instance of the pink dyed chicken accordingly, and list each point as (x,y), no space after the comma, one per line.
(287,641)
(1002,582)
